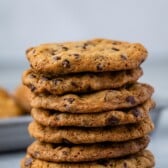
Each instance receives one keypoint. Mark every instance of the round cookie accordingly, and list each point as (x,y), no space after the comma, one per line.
(82,83)
(8,106)
(144,159)
(22,96)
(126,97)
(95,55)
(55,119)
(81,135)
(80,153)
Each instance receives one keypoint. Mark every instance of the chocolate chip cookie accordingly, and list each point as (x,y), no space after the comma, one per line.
(83,82)
(144,159)
(8,105)
(80,135)
(110,118)
(95,55)
(126,97)
(80,153)
(22,96)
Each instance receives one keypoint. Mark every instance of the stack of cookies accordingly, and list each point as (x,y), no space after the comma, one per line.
(89,110)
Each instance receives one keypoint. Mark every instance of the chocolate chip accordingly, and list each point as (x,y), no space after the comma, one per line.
(32,87)
(116,42)
(74,84)
(56,58)
(123,57)
(64,152)
(85,46)
(28,162)
(125,165)
(112,120)
(65,48)
(130,99)
(76,55)
(66,64)
(99,67)
(115,49)
(57,81)
(68,109)
(32,76)
(136,112)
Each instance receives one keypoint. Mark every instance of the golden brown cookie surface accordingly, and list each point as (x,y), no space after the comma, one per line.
(110,118)
(81,135)
(95,55)
(144,159)
(79,83)
(8,106)
(79,153)
(101,101)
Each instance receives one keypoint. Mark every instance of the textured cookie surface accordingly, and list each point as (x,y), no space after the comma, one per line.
(84,82)
(8,106)
(79,153)
(95,55)
(96,102)
(90,135)
(144,159)
(53,118)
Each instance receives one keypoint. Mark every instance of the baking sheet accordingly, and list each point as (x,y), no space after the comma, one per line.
(14,134)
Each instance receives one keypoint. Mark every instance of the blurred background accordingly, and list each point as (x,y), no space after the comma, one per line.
(27,23)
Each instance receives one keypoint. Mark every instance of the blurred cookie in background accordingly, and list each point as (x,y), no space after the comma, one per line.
(8,105)
(22,96)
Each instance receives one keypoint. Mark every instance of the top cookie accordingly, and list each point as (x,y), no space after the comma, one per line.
(95,55)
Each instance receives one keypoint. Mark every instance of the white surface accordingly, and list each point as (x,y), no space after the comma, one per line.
(158,145)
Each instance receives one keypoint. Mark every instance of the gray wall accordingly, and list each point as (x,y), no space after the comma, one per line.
(24,23)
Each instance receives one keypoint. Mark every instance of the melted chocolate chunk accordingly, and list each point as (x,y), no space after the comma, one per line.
(66,64)
(65,48)
(130,99)
(32,87)
(32,76)
(85,46)
(74,84)
(28,162)
(64,152)
(115,49)
(76,55)
(112,120)
(136,112)
(56,58)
